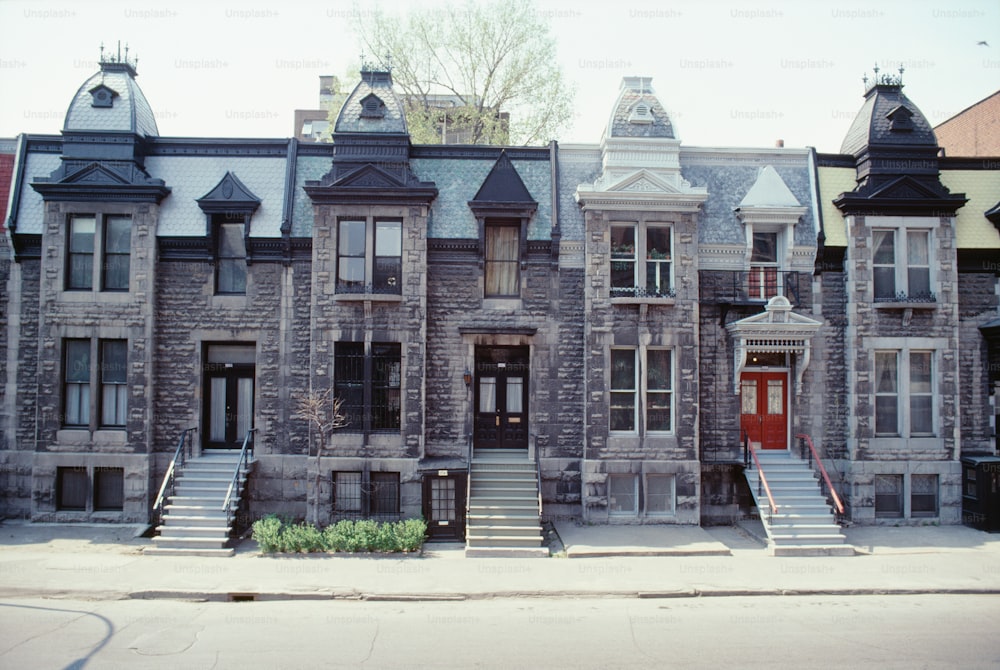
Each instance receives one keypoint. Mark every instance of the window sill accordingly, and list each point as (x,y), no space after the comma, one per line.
(368,297)
(81,296)
(630,300)
(904,305)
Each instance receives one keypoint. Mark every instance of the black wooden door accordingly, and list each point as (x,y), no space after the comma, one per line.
(501,397)
(444,505)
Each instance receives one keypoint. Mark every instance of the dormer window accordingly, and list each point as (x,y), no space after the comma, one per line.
(641,113)
(102,96)
(372,107)
(900,119)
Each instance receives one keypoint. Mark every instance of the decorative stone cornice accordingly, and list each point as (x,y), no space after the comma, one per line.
(778,329)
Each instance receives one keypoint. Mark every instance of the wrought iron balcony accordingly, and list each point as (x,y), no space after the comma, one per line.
(903,298)
(651,293)
(357,288)
(756,285)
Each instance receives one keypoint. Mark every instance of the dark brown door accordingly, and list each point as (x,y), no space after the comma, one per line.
(501,397)
(764,413)
(444,505)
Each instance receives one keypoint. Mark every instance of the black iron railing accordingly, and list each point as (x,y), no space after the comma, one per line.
(246,456)
(167,487)
(759,284)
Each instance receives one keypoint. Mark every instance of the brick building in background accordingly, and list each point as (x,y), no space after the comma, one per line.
(624,332)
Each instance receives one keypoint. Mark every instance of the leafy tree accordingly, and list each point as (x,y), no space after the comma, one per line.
(491,66)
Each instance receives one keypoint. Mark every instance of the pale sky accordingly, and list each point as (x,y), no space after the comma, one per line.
(729,73)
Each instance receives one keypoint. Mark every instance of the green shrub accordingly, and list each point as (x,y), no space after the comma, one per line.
(267,534)
(301,538)
(410,534)
(338,536)
(275,535)
(366,535)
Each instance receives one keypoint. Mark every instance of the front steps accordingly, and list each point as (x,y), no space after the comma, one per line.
(803,524)
(194,523)
(503,516)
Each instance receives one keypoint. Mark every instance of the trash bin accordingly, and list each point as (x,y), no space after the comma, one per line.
(981,492)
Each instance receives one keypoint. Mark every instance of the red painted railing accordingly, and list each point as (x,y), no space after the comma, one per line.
(822,471)
(761,479)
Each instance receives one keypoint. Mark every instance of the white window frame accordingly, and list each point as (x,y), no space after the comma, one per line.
(371,255)
(635,495)
(901,262)
(671,496)
(639,262)
(99,254)
(640,391)
(777,265)
(904,392)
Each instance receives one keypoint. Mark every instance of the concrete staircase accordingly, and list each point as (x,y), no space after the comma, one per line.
(503,516)
(194,523)
(803,524)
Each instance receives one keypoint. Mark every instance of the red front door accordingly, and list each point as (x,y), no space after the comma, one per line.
(764,408)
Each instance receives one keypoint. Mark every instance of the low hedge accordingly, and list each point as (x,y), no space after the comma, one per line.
(276,536)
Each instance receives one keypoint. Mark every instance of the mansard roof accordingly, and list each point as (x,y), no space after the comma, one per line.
(638,112)
(128,111)
(888,117)
(373,106)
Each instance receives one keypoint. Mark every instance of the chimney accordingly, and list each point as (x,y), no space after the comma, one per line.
(779,144)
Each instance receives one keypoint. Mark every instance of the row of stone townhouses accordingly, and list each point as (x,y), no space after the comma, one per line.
(629,317)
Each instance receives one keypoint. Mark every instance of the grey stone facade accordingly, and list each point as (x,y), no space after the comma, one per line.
(297,317)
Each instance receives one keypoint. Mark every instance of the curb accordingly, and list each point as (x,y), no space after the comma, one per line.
(343,595)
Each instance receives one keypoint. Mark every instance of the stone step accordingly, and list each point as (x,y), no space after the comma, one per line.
(194,510)
(490,530)
(807,539)
(189,542)
(198,501)
(516,491)
(811,528)
(504,476)
(510,500)
(218,533)
(186,551)
(190,520)
(481,465)
(813,550)
(503,541)
(505,519)
(506,552)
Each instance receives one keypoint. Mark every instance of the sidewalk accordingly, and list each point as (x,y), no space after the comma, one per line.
(106,562)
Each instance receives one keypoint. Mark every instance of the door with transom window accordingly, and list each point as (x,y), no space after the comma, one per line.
(229,394)
(501,398)
(764,408)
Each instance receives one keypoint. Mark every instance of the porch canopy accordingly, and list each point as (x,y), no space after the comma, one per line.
(776,330)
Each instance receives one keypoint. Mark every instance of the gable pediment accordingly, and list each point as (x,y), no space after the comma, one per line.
(97,181)
(230,194)
(643,181)
(369,176)
(503,184)
(95,173)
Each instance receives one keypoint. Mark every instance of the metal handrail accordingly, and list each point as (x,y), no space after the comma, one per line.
(168,477)
(226,506)
(761,479)
(822,472)
(538,474)
(468,485)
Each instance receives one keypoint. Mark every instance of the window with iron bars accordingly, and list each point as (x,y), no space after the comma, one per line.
(368,378)
(366,495)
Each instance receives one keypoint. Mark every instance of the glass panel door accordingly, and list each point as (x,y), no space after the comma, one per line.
(501,400)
